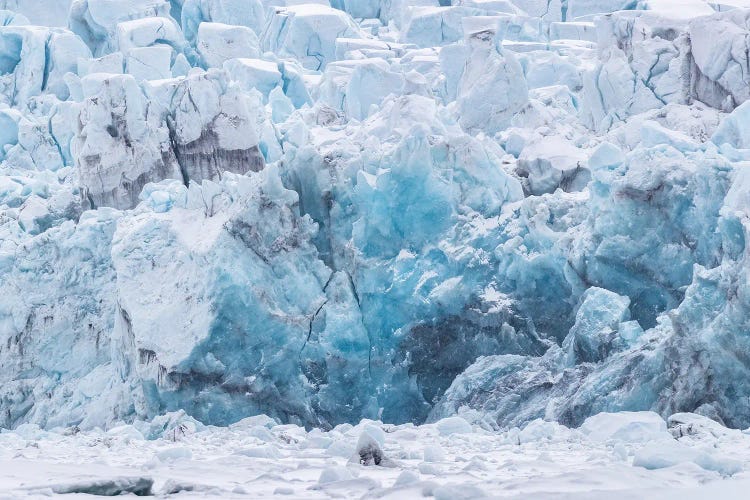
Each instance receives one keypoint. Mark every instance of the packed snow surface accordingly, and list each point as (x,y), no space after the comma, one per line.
(626,455)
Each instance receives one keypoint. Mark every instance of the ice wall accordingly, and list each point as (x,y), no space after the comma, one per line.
(398,210)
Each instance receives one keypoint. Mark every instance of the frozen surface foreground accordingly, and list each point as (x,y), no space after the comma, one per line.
(618,456)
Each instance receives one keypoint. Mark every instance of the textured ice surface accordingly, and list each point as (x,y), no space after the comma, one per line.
(307,32)
(398,210)
(625,455)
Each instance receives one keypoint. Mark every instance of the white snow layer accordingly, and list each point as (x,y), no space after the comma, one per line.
(617,456)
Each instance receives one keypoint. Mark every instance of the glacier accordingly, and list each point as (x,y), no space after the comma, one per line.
(404,211)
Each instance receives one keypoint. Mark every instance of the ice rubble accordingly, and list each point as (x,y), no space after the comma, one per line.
(396,210)
(626,455)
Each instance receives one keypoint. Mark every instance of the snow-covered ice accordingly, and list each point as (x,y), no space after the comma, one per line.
(620,456)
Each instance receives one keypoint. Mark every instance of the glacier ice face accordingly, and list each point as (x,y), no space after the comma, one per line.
(218,43)
(492,87)
(213,126)
(649,59)
(679,227)
(192,13)
(356,87)
(397,210)
(307,33)
(190,128)
(53,14)
(35,60)
(435,26)
(114,136)
(398,267)
(718,65)
(733,130)
(614,364)
(253,276)
(595,334)
(66,312)
(96,21)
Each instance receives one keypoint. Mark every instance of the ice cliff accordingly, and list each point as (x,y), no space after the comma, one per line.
(399,210)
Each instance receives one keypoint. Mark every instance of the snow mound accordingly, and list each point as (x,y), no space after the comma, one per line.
(209,462)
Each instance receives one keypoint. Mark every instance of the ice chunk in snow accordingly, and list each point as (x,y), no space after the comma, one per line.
(172,426)
(453,425)
(540,430)
(341,448)
(434,453)
(140,486)
(405,478)
(254,422)
(265,451)
(369,449)
(174,454)
(628,427)
(451,492)
(335,474)
(671,452)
